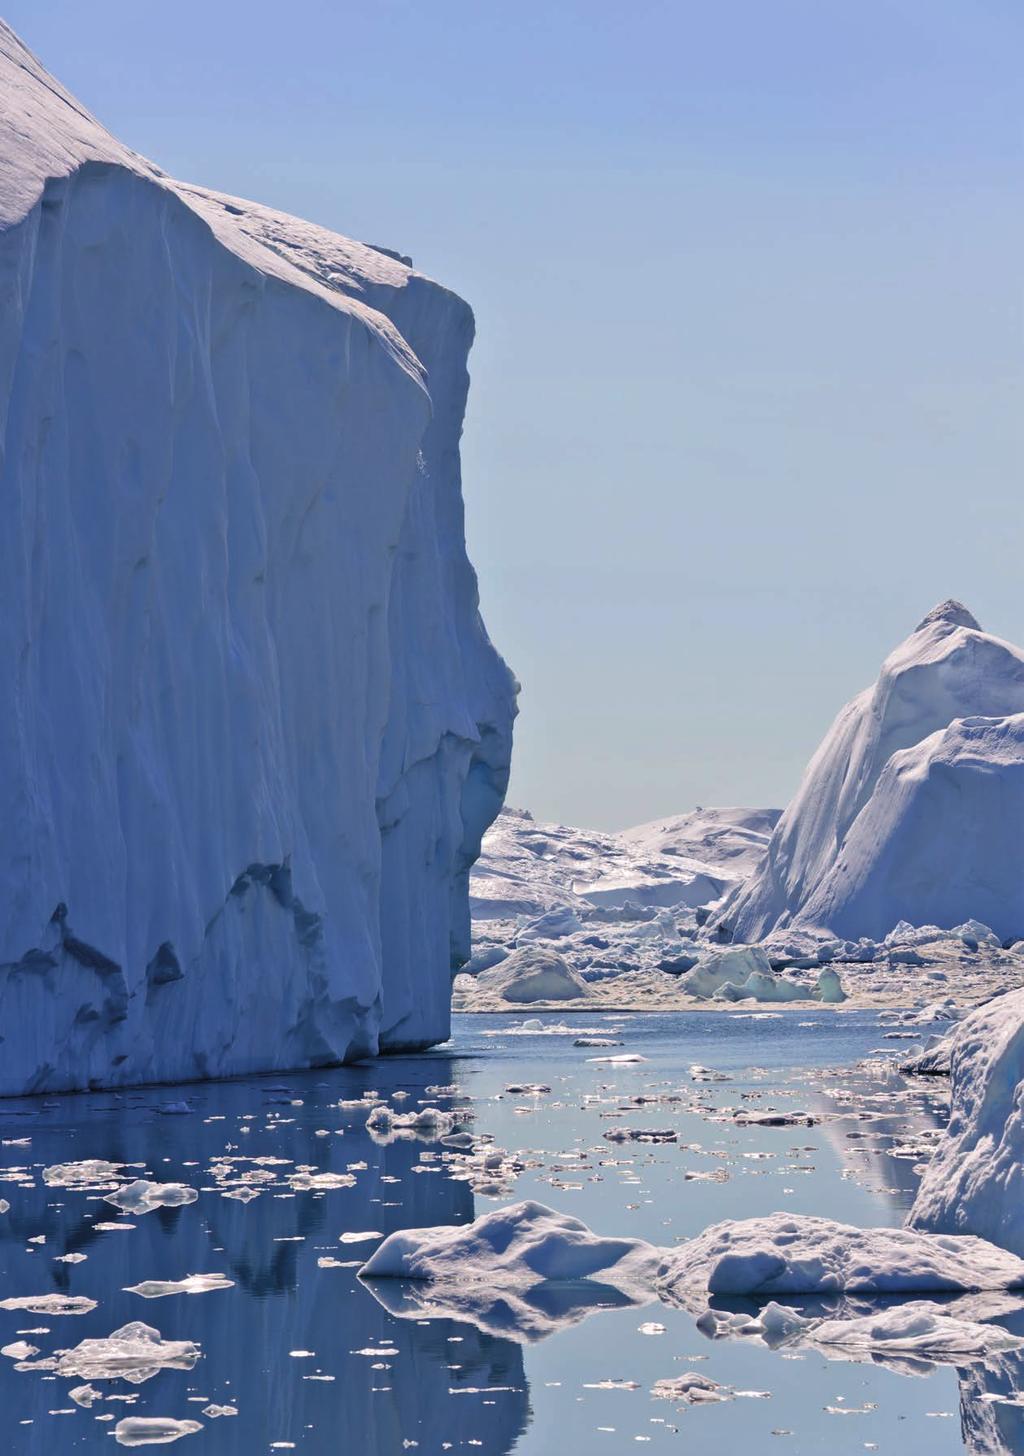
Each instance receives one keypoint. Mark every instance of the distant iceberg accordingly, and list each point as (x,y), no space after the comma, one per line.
(253,729)
(912,809)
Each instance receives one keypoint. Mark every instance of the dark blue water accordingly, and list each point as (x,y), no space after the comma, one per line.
(287,1344)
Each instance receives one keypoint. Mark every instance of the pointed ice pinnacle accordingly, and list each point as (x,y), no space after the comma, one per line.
(951,611)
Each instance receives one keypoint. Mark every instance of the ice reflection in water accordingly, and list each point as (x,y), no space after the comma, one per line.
(278,1345)
(306,1355)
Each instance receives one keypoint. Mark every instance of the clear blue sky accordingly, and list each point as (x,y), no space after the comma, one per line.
(747,395)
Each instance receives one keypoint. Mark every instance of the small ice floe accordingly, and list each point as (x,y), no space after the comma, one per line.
(153,1430)
(143,1196)
(85,1395)
(694,1389)
(136,1352)
(52,1304)
(428,1123)
(320,1182)
(596,1041)
(522,1271)
(87,1173)
(353,1236)
(625,1059)
(641,1135)
(180,1108)
(707,1074)
(213,1411)
(191,1284)
(19,1350)
(745,1117)
(799,1254)
(70,1258)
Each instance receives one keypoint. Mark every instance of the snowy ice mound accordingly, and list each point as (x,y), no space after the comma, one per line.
(522,1271)
(789,1254)
(253,727)
(913,806)
(974,1183)
(533,973)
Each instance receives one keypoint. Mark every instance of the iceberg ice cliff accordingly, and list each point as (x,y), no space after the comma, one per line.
(974,1183)
(253,729)
(912,809)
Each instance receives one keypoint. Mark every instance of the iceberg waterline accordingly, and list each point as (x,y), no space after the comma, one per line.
(254,728)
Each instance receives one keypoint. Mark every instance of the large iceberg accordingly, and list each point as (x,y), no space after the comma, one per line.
(913,806)
(253,729)
(974,1183)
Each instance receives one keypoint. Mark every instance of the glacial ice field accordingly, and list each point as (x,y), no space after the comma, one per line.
(182,1263)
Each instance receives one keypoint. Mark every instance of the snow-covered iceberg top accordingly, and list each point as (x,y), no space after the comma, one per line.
(911,807)
(790,1254)
(523,1271)
(253,727)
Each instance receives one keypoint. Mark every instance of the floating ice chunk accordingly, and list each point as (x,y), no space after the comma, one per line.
(191,1284)
(523,1270)
(319,1182)
(533,973)
(86,1173)
(762,986)
(973,933)
(829,990)
(975,1180)
(554,925)
(733,963)
(135,1352)
(355,1236)
(54,1304)
(485,959)
(153,1430)
(85,1395)
(213,1411)
(750,1117)
(19,1350)
(691,1389)
(625,1059)
(799,1254)
(428,1122)
(143,1196)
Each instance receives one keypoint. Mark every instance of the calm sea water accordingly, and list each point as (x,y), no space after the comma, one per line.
(312,1361)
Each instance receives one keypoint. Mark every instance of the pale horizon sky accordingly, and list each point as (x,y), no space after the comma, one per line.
(746,394)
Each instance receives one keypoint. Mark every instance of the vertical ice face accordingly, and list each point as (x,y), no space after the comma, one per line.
(253,727)
(912,808)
